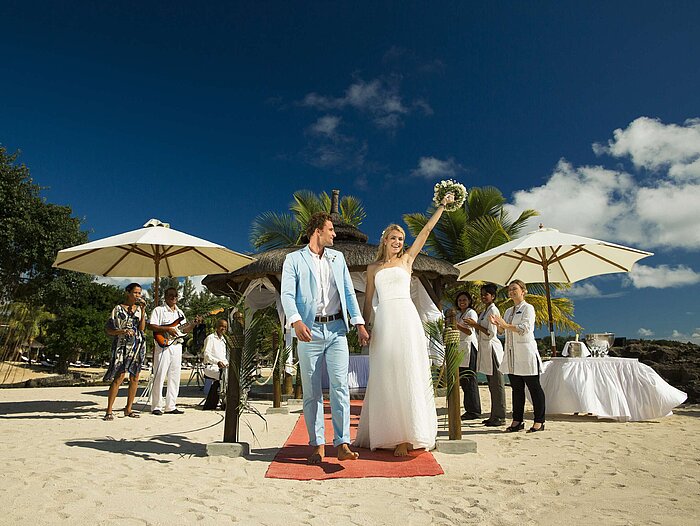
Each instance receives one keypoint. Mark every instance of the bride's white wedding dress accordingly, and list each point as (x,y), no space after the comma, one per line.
(399,405)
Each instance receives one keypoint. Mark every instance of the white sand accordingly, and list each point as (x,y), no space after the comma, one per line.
(61,464)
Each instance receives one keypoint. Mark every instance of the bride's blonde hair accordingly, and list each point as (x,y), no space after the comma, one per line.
(381,251)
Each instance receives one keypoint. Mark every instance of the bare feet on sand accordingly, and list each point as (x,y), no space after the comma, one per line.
(344,453)
(317,456)
(402,449)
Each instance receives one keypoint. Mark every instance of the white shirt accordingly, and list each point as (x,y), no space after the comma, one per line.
(467,340)
(328,297)
(214,352)
(164,315)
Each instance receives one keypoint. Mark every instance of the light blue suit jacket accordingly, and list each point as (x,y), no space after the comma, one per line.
(300,290)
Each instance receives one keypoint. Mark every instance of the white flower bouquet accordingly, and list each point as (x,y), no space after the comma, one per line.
(448,186)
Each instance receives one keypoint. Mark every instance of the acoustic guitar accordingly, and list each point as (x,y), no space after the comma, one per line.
(165,340)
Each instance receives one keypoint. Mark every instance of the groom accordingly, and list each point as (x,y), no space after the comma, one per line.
(317,294)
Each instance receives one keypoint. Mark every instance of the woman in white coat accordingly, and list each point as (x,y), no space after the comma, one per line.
(468,345)
(490,355)
(521,360)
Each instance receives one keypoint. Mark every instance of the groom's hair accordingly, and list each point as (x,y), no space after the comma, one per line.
(318,220)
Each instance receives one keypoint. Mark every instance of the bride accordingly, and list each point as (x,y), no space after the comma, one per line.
(399,409)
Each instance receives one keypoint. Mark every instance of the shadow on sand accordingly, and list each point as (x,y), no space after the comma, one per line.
(49,409)
(149,449)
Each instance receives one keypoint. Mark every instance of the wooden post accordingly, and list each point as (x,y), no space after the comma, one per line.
(552,338)
(454,420)
(453,408)
(288,384)
(276,381)
(233,389)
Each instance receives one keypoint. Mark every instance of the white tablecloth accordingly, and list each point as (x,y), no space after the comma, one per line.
(619,388)
(358,372)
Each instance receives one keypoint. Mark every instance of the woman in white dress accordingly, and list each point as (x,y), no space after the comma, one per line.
(399,409)
(490,355)
(522,360)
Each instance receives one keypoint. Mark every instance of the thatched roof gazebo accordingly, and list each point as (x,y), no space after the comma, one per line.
(434,274)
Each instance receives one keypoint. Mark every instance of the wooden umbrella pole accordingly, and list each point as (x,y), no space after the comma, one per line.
(553,341)
(157,282)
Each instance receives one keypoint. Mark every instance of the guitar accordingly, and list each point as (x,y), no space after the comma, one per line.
(165,340)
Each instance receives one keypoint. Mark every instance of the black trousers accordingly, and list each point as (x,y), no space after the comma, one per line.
(518,383)
(213,397)
(469,385)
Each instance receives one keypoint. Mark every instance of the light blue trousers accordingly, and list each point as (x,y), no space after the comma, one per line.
(328,341)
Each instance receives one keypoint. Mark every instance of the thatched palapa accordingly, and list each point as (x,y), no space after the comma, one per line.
(433,273)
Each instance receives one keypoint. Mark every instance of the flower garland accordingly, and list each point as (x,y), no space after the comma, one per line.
(448,186)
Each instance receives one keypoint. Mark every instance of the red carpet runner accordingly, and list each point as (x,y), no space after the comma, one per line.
(290,462)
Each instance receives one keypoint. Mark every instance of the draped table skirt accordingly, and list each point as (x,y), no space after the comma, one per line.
(358,372)
(619,388)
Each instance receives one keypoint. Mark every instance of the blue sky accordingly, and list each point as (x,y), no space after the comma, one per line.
(205,115)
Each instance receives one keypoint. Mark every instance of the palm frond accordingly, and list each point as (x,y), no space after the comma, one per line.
(482,234)
(352,211)
(440,242)
(272,230)
(485,201)
(304,204)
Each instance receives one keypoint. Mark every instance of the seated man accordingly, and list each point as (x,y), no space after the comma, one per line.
(215,362)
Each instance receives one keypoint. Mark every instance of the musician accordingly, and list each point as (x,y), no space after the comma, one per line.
(167,360)
(215,362)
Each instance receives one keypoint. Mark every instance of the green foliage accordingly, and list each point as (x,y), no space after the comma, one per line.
(275,230)
(79,325)
(436,333)
(32,231)
(20,325)
(272,230)
(78,330)
(354,341)
(481,225)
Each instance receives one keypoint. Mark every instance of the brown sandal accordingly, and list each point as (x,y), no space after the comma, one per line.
(108,416)
(132,414)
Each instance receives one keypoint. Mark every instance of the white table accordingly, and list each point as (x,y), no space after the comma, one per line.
(619,388)
(358,372)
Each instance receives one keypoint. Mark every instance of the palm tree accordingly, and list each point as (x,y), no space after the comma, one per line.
(482,224)
(275,230)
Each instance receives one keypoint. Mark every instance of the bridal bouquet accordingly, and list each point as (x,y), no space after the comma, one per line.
(449,186)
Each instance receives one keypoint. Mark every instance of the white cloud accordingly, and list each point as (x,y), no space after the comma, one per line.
(645,333)
(661,277)
(653,145)
(679,336)
(197,282)
(614,205)
(432,168)
(326,125)
(378,98)
(581,290)
(684,337)
(337,152)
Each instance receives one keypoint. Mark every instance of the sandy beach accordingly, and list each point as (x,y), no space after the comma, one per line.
(63,465)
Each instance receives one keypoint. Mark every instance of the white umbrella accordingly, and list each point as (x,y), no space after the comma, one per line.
(549,256)
(153,251)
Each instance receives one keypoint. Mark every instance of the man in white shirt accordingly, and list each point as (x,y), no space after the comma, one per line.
(169,322)
(215,362)
(317,295)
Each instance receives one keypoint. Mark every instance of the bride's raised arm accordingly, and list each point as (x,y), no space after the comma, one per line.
(422,237)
